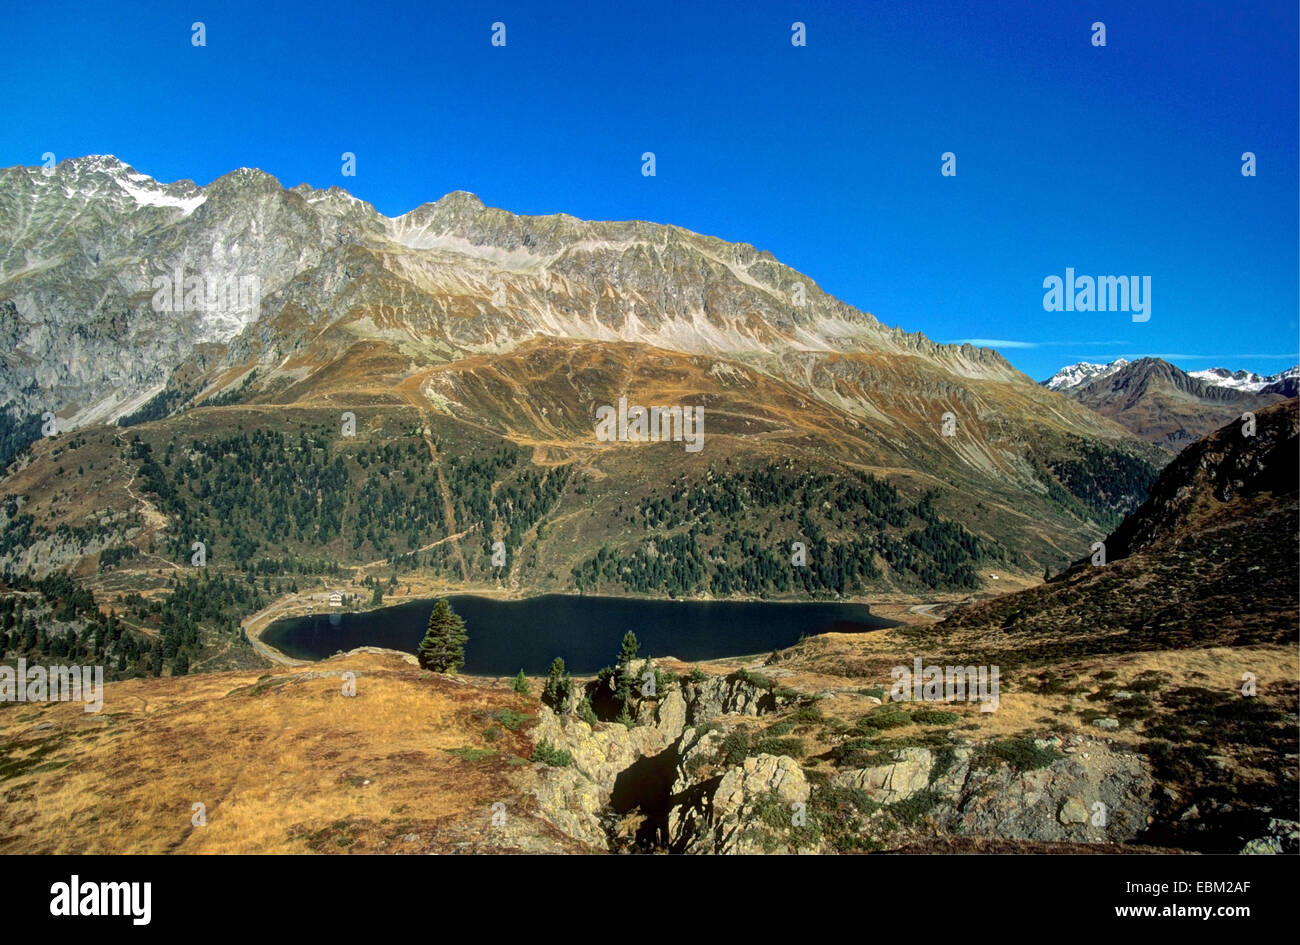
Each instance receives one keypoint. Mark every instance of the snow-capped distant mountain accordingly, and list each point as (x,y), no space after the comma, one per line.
(1237,380)
(1287,383)
(1167,406)
(1075,374)
(1249,381)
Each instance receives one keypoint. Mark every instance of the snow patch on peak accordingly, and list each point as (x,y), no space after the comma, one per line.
(1236,380)
(146,196)
(1081,373)
(143,190)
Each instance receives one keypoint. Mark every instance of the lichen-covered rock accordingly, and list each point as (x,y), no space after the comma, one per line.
(603,752)
(670,715)
(725,695)
(886,784)
(754,808)
(1073,811)
(1106,798)
(568,800)
(575,798)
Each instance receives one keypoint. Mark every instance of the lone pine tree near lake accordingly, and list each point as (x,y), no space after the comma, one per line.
(443,647)
(372,469)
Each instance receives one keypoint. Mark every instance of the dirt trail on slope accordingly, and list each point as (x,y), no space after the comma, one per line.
(448,511)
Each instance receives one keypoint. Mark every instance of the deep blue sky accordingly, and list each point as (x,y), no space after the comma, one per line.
(1116,160)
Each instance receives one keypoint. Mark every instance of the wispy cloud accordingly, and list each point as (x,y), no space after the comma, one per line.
(1293,357)
(1225,358)
(1004,343)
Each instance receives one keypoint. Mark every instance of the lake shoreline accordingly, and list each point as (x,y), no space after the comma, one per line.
(531,631)
(902,610)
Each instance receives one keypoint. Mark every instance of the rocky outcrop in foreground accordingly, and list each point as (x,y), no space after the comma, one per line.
(689,777)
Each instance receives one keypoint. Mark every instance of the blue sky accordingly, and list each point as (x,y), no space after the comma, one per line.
(1117,160)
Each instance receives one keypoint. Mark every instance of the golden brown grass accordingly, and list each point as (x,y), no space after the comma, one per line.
(283,762)
(866,660)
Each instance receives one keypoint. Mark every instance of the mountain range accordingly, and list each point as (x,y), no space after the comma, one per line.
(1165,405)
(474,347)
(1083,372)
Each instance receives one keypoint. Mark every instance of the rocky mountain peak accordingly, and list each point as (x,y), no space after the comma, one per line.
(1073,375)
(459,203)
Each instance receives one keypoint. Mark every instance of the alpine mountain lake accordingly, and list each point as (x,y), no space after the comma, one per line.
(508,635)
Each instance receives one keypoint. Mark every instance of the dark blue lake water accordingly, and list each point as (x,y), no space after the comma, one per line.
(507,635)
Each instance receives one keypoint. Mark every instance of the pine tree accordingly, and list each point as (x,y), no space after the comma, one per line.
(556,691)
(520,685)
(443,648)
(623,671)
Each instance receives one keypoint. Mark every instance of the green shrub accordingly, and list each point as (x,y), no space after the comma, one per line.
(934,717)
(886,716)
(757,680)
(793,747)
(859,753)
(807,715)
(912,809)
(511,719)
(548,754)
(1050,684)
(779,818)
(943,760)
(735,748)
(1020,753)
(863,730)
(842,814)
